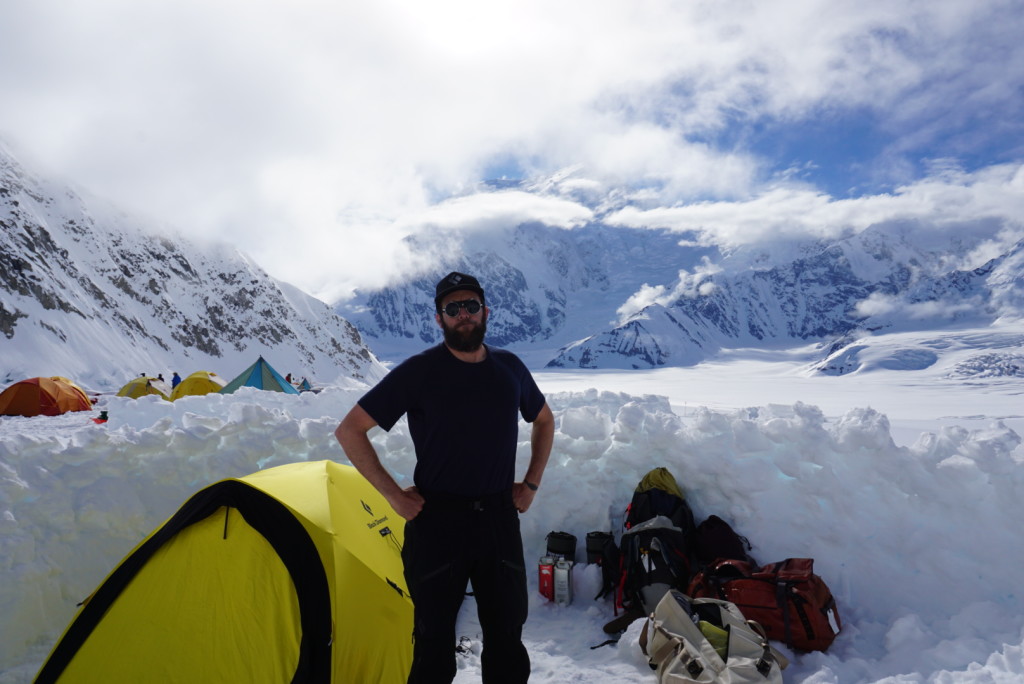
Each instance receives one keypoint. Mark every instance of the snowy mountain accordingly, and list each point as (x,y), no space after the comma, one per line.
(91,294)
(602,296)
(544,284)
(853,287)
(88,292)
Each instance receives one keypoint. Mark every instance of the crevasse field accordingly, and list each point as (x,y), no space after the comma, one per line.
(905,486)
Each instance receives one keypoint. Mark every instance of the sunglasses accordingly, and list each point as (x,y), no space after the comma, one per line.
(471,305)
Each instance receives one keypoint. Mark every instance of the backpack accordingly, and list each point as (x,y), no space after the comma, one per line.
(656,548)
(659,494)
(655,558)
(794,605)
(707,641)
(596,543)
(715,539)
(602,550)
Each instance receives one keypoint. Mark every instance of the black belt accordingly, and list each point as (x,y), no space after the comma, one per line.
(442,501)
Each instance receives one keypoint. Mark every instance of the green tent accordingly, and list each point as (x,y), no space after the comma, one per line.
(291,574)
(260,375)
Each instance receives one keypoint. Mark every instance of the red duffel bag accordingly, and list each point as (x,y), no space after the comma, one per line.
(793,604)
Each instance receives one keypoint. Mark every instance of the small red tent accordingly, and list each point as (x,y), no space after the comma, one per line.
(43,397)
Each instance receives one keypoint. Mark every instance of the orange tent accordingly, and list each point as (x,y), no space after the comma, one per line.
(73,386)
(43,396)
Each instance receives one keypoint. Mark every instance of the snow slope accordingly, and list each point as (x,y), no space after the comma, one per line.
(904,486)
(90,293)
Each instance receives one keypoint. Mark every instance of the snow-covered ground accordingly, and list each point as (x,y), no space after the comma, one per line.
(905,486)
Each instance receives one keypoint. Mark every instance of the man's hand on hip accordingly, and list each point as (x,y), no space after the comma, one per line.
(407,503)
(522,496)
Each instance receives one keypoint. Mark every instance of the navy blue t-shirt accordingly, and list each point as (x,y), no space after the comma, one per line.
(463,417)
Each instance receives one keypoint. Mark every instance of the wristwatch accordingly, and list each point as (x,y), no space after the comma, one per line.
(529,484)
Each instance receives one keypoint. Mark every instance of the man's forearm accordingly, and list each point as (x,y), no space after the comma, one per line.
(352,435)
(542,437)
(360,452)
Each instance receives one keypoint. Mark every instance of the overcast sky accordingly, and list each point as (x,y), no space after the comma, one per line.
(314,135)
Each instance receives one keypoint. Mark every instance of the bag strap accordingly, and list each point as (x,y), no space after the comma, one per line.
(679,649)
(672,640)
(606,642)
(764,663)
(659,546)
(783,593)
(782,599)
(692,665)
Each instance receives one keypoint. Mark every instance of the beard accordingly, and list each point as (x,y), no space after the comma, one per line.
(466,336)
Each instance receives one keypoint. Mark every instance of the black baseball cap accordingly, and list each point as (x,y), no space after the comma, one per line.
(453,282)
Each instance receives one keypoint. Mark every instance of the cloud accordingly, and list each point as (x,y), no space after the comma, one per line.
(641,299)
(689,285)
(890,307)
(499,210)
(948,200)
(308,132)
(478,220)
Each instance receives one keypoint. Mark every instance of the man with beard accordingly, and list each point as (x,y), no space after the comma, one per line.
(463,400)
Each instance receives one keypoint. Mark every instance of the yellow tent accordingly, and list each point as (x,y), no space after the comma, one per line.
(292,574)
(143,386)
(200,382)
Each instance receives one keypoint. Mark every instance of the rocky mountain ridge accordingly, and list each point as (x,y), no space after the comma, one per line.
(644,299)
(88,292)
(543,284)
(95,295)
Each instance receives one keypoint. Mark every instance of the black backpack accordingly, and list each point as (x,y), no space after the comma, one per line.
(657,547)
(602,549)
(655,558)
(715,539)
(659,494)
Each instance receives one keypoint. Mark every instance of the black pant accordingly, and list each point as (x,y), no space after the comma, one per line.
(451,542)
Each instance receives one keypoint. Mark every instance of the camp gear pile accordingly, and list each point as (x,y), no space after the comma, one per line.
(663,553)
